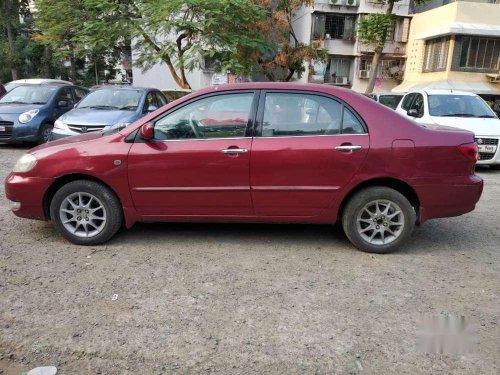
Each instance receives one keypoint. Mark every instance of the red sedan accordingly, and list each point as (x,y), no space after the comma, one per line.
(260,152)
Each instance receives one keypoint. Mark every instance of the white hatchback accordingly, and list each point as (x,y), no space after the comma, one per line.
(458,109)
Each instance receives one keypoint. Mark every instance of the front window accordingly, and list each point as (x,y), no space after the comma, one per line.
(436,54)
(221,116)
(29,95)
(459,106)
(112,99)
(390,100)
(307,115)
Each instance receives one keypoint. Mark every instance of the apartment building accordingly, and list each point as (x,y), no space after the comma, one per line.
(455,46)
(331,24)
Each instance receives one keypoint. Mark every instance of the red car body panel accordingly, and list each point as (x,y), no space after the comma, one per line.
(280,179)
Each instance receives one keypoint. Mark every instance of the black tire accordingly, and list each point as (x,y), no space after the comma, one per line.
(112,211)
(45,133)
(356,206)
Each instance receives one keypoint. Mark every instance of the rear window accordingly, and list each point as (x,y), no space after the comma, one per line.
(390,101)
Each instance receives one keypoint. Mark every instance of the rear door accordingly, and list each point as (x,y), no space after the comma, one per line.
(307,147)
(198,163)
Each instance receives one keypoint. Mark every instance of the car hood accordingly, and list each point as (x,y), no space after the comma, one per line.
(89,116)
(16,109)
(479,126)
(67,141)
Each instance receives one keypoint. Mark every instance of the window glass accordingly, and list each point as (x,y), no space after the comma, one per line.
(407,101)
(29,95)
(436,54)
(222,116)
(390,101)
(79,94)
(66,95)
(459,106)
(351,124)
(300,114)
(418,104)
(160,99)
(109,98)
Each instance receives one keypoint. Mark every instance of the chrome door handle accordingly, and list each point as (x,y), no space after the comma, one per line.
(234,151)
(348,148)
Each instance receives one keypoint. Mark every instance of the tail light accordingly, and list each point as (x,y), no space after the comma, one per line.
(470,151)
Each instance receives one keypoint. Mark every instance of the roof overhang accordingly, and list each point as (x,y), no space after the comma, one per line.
(483,88)
(461,28)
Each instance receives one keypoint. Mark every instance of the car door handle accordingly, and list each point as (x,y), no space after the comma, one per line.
(234,151)
(348,148)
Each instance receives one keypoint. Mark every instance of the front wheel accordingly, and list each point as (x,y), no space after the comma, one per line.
(378,219)
(45,134)
(86,212)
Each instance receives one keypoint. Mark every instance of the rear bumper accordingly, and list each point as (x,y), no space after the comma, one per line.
(29,193)
(453,196)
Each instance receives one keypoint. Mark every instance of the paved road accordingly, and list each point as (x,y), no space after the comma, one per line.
(243,299)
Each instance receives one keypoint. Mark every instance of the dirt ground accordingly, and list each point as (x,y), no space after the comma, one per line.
(245,299)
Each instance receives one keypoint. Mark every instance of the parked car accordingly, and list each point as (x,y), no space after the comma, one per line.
(458,109)
(108,106)
(254,153)
(27,113)
(389,99)
(2,90)
(35,81)
(174,94)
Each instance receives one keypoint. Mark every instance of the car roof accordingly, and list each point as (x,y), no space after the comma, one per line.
(121,87)
(35,81)
(448,92)
(53,84)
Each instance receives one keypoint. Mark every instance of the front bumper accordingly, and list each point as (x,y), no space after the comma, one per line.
(489,158)
(453,196)
(14,131)
(29,192)
(59,134)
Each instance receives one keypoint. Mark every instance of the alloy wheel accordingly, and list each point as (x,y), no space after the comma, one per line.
(83,214)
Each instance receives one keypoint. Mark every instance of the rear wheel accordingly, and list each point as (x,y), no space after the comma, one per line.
(86,212)
(45,134)
(378,219)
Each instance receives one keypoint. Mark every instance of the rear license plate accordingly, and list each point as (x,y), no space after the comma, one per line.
(487,148)
(2,128)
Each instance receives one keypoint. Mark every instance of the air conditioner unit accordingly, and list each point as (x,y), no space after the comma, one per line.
(335,2)
(364,74)
(341,80)
(351,3)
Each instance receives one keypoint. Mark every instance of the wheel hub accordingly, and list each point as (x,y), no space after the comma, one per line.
(83,214)
(380,222)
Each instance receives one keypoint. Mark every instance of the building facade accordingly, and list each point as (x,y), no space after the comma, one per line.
(331,24)
(455,46)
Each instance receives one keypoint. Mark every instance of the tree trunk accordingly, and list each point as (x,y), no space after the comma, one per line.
(72,69)
(10,38)
(373,71)
(377,56)
(46,62)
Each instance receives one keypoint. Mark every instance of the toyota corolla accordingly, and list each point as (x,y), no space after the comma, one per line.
(258,152)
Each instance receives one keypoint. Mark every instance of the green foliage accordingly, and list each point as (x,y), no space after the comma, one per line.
(373,28)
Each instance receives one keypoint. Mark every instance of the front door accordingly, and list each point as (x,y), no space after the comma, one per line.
(307,148)
(199,161)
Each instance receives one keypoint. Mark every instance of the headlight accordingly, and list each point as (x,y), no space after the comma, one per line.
(121,125)
(28,116)
(25,164)
(60,124)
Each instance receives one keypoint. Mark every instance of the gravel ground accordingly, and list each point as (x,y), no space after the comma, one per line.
(243,299)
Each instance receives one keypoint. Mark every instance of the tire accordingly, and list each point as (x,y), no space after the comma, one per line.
(369,228)
(45,133)
(97,221)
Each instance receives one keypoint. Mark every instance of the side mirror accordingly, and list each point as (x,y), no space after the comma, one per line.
(147,131)
(412,112)
(62,104)
(152,108)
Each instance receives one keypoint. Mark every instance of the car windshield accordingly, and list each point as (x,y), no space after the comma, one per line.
(459,106)
(390,101)
(112,99)
(29,95)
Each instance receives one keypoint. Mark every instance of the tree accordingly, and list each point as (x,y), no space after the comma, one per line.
(286,55)
(179,33)
(11,11)
(373,30)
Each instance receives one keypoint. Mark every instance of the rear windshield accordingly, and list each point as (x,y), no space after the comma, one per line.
(459,106)
(29,95)
(112,99)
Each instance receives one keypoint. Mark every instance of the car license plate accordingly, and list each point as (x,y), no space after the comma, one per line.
(2,128)
(487,148)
